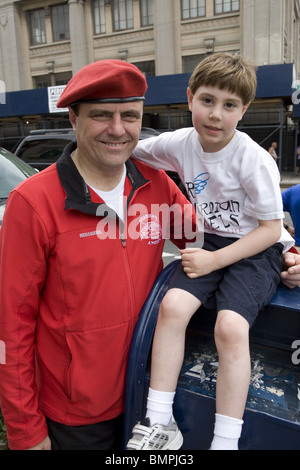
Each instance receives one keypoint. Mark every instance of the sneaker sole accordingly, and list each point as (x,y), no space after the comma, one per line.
(176,443)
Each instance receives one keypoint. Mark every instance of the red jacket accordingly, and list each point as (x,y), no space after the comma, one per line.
(69,301)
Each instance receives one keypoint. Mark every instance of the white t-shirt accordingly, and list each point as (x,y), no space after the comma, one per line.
(233,188)
(114,199)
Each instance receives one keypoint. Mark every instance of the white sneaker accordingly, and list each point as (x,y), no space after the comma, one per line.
(156,437)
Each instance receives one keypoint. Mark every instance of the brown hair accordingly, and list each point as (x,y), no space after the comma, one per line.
(226,71)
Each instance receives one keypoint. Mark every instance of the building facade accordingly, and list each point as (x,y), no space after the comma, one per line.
(43,43)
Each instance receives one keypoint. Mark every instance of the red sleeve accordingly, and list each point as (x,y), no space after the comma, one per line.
(22,272)
(293,250)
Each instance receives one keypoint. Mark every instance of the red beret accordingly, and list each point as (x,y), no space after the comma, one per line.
(110,81)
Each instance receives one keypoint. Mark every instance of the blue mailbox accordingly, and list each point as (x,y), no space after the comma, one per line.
(272,416)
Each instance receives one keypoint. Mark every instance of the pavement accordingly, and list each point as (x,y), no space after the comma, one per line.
(288,179)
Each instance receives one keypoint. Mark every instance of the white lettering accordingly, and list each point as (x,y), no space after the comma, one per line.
(296,94)
(296,354)
(2,92)
(2,353)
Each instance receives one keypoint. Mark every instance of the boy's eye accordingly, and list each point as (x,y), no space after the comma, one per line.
(230,105)
(207,100)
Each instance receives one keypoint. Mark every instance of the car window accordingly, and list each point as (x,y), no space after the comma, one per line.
(10,177)
(43,150)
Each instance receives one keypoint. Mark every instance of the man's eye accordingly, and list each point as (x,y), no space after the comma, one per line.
(131,117)
(102,117)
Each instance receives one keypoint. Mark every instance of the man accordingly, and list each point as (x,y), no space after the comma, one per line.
(75,270)
(272,150)
(291,204)
(80,248)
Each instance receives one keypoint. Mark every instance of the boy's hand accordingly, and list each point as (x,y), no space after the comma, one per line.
(197,262)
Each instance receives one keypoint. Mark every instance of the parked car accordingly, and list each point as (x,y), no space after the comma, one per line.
(12,172)
(43,147)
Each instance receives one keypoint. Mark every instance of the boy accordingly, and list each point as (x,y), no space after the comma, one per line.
(235,184)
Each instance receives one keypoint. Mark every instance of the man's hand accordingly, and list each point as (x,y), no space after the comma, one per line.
(44,445)
(290,275)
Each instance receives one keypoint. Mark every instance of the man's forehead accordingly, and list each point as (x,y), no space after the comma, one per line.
(113,108)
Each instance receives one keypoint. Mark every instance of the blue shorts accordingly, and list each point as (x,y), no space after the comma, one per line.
(244,287)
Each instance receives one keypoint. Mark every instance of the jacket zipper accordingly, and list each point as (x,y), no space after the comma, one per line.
(122,226)
(123,239)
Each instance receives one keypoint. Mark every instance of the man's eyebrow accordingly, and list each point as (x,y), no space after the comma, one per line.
(95,112)
(133,112)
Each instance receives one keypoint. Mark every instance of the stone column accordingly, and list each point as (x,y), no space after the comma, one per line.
(11,44)
(263,31)
(79,46)
(164,37)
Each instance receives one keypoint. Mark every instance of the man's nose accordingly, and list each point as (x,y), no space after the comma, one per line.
(116,126)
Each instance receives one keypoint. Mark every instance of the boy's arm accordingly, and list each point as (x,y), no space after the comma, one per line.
(153,152)
(199,262)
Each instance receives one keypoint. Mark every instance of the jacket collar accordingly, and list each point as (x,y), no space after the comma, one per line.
(78,195)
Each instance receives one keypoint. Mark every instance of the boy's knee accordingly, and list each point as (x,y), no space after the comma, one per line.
(171,304)
(231,330)
(178,305)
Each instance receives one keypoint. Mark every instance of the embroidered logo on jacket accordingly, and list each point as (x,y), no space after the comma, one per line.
(150,229)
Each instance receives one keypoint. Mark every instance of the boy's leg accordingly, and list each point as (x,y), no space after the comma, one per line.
(176,310)
(232,341)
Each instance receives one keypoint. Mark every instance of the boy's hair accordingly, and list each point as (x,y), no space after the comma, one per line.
(226,71)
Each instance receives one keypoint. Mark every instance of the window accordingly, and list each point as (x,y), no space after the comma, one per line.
(192,9)
(60,22)
(226,6)
(146,8)
(147,67)
(99,17)
(62,78)
(43,81)
(37,27)
(123,14)
(189,63)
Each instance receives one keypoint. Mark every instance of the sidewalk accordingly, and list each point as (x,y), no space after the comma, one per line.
(288,179)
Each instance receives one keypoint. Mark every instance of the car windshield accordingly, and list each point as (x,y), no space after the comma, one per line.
(12,172)
(47,150)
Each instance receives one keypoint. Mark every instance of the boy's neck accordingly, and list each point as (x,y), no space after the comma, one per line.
(217,147)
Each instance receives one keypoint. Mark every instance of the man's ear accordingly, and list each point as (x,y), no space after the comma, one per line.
(72,118)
